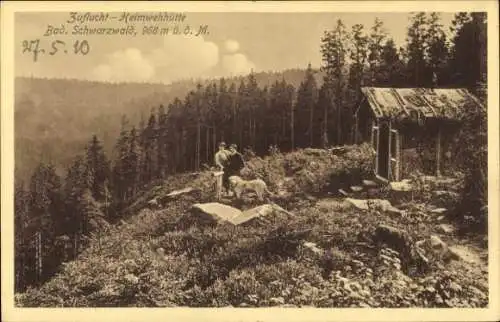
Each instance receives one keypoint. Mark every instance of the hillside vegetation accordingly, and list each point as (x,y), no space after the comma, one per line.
(326,253)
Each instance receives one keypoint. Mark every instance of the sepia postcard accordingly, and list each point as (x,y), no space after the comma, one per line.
(250,161)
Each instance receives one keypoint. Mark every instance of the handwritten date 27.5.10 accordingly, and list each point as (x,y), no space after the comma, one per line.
(36,48)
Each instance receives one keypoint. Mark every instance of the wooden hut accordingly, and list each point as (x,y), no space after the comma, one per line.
(411,128)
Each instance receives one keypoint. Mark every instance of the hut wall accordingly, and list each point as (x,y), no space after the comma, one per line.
(450,149)
(419,149)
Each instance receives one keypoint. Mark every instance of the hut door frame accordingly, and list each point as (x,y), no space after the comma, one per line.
(375,144)
(394,139)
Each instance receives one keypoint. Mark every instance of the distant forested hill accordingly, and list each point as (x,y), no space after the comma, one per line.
(55,118)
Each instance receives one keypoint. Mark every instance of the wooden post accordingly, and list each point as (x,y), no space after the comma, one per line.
(218,184)
(438,153)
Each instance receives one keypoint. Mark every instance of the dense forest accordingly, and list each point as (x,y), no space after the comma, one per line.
(54,213)
(53,117)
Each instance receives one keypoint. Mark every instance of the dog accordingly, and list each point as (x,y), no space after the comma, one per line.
(238,185)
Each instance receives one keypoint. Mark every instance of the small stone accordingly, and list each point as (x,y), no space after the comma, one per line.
(446,228)
(277,300)
(439,210)
(343,192)
(369,183)
(437,243)
(355,286)
(401,186)
(252,298)
(356,188)
(430,289)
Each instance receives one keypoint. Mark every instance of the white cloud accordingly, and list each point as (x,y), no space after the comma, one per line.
(177,57)
(232,46)
(124,65)
(237,64)
(184,57)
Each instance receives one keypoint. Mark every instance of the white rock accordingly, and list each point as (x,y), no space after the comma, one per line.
(446,228)
(439,210)
(370,183)
(401,186)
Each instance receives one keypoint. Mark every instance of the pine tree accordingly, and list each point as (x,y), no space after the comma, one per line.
(358,56)
(132,163)
(307,96)
(437,51)
(334,51)
(416,50)
(21,222)
(47,212)
(241,112)
(162,143)
(120,165)
(98,165)
(275,114)
(376,42)
(391,72)
(149,161)
(252,97)
(468,62)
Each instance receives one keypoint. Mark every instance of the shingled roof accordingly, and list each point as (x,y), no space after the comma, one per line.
(408,103)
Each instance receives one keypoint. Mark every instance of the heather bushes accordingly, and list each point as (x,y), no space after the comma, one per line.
(153,260)
(473,139)
(258,265)
(314,170)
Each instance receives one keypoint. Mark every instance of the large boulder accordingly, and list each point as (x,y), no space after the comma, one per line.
(252,214)
(215,212)
(312,250)
(394,238)
(260,214)
(374,204)
(464,253)
(404,185)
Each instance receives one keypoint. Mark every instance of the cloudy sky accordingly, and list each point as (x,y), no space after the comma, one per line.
(236,44)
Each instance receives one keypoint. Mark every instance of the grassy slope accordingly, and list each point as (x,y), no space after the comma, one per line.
(264,264)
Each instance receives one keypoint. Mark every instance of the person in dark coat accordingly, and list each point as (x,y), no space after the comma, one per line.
(234,164)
